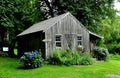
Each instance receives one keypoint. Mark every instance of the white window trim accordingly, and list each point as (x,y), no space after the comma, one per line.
(80,40)
(58,41)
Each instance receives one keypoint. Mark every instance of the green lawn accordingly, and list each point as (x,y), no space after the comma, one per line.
(10,68)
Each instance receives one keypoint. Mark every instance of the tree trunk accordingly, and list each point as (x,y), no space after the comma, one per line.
(11,48)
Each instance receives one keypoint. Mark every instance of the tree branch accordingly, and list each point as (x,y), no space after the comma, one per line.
(50,8)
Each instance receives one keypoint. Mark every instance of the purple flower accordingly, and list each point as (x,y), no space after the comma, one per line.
(30,55)
(35,52)
(31,59)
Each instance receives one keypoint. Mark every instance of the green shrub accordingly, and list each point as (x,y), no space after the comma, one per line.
(86,59)
(56,59)
(31,59)
(76,58)
(68,57)
(114,57)
(114,48)
(61,57)
(100,53)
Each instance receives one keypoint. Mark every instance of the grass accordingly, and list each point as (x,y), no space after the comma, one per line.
(10,68)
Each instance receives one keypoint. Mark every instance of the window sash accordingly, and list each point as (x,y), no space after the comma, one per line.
(79,40)
(58,42)
(79,37)
(58,38)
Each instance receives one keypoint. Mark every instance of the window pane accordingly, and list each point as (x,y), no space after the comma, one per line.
(79,37)
(58,44)
(58,38)
(79,43)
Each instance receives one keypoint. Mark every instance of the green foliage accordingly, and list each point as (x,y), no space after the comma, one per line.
(86,59)
(76,58)
(68,57)
(56,59)
(61,57)
(31,59)
(89,12)
(15,51)
(114,47)
(93,11)
(111,33)
(100,53)
(16,16)
(114,57)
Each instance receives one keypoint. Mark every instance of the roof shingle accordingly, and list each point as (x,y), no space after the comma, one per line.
(43,25)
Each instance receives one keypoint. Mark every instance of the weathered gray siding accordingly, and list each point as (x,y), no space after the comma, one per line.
(42,35)
(69,28)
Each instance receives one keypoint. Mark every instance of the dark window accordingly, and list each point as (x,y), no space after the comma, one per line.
(79,40)
(58,44)
(58,40)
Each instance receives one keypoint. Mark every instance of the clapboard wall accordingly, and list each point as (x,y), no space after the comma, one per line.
(42,35)
(68,27)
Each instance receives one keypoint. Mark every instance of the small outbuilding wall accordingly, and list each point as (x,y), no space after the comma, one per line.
(31,42)
(63,32)
(69,29)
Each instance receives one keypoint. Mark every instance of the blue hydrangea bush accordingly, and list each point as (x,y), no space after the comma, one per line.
(100,53)
(31,59)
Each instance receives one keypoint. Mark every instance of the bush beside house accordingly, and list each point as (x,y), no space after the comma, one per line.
(68,57)
(31,59)
(100,53)
(64,57)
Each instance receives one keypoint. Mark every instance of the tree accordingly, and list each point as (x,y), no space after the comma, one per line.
(89,12)
(15,16)
(111,32)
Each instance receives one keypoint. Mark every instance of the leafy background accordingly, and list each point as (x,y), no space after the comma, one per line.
(97,15)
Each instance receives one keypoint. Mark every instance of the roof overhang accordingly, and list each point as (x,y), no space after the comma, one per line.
(96,35)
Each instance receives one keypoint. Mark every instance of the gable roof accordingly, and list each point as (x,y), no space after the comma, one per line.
(44,25)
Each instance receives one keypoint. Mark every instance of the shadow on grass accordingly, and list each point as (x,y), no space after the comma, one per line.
(22,68)
(26,68)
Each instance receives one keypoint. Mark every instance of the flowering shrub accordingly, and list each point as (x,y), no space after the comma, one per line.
(100,53)
(31,59)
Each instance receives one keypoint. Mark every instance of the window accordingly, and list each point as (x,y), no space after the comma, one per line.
(58,40)
(79,40)
(58,37)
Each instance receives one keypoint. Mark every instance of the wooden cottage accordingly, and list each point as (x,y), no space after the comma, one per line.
(63,31)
